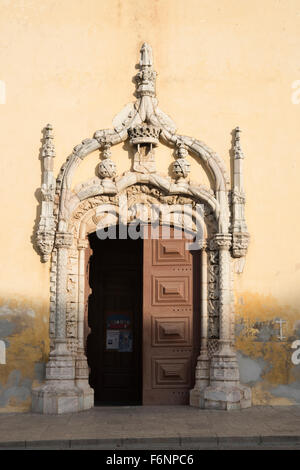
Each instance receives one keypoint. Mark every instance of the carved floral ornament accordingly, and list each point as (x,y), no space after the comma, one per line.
(144,125)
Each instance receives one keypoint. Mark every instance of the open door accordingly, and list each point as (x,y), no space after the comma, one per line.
(114,344)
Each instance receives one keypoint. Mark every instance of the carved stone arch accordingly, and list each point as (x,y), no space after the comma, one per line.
(68,214)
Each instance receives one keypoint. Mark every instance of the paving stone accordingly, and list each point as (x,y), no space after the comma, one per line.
(149,426)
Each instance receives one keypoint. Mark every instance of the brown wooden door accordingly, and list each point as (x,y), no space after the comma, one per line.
(115,319)
(171,317)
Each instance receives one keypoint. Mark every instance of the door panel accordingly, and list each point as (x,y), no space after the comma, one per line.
(171,317)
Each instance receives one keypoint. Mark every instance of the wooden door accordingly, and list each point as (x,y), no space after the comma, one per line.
(115,319)
(171,319)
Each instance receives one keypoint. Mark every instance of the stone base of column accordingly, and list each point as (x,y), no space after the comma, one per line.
(82,380)
(201,380)
(59,394)
(225,391)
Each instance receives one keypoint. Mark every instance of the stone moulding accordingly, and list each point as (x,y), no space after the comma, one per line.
(69,215)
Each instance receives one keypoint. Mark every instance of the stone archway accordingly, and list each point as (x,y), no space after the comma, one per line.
(69,215)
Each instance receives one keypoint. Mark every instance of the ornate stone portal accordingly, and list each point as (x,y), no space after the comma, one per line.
(68,216)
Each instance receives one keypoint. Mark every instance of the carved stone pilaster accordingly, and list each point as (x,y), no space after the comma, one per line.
(46,229)
(225,391)
(239,229)
(59,394)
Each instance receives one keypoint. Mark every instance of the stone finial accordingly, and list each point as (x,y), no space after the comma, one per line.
(146,77)
(48,150)
(238,153)
(146,55)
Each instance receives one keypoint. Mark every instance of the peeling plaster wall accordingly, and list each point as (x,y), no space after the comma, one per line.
(264,355)
(220,64)
(24,329)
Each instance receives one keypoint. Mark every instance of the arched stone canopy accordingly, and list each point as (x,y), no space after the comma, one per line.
(68,215)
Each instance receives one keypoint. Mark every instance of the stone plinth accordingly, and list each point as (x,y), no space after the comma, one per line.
(201,380)
(82,380)
(225,391)
(60,394)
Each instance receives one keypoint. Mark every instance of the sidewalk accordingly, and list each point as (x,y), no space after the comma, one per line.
(154,427)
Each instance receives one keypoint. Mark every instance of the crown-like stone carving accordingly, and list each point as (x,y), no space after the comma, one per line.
(144,134)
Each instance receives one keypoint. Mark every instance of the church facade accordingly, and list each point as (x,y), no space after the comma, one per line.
(144,283)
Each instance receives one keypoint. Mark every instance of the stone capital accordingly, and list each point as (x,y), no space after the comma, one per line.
(82,243)
(63,239)
(221,241)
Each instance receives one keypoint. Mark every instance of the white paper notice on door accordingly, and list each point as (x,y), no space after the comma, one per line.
(112,339)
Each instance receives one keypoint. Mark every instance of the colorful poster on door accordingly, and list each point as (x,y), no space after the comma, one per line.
(118,321)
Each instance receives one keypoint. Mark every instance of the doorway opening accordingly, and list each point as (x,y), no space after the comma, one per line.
(144,319)
(114,344)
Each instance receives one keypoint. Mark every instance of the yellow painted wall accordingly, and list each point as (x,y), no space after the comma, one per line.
(221,64)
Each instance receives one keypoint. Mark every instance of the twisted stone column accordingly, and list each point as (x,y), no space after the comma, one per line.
(202,367)
(225,391)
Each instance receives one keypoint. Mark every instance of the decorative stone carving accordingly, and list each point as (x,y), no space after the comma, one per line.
(221,241)
(181,167)
(145,138)
(213,294)
(107,168)
(63,240)
(240,244)
(146,76)
(46,228)
(239,229)
(73,214)
(144,134)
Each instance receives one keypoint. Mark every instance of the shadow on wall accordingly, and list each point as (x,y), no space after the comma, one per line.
(24,331)
(265,332)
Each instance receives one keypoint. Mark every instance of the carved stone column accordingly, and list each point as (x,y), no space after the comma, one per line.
(202,367)
(59,394)
(81,365)
(225,391)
